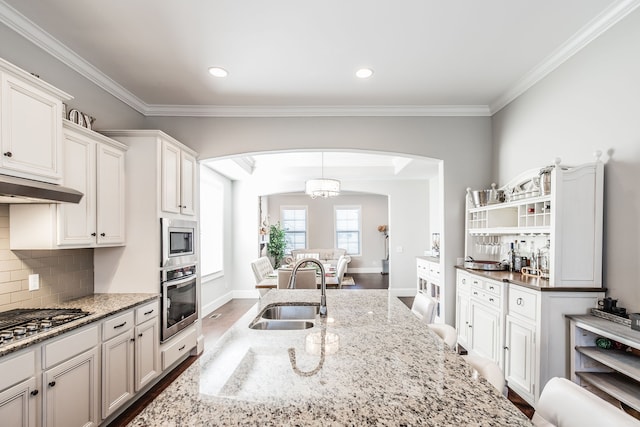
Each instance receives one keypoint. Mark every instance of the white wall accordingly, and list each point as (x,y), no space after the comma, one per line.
(592,102)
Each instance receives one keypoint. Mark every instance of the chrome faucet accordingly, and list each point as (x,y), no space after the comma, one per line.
(323,282)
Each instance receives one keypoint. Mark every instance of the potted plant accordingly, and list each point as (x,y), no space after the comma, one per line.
(277,244)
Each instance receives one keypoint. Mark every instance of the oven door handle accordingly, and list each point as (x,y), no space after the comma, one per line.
(180,283)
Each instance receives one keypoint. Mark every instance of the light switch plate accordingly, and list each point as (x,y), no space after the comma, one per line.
(34,282)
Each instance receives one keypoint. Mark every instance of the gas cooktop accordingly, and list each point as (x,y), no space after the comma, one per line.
(25,322)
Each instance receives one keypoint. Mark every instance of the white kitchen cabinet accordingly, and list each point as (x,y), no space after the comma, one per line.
(485,331)
(147,345)
(178,180)
(117,362)
(520,356)
(18,404)
(72,392)
(463,326)
(19,394)
(95,165)
(30,125)
(428,281)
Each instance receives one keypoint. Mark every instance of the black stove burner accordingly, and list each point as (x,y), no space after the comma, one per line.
(18,323)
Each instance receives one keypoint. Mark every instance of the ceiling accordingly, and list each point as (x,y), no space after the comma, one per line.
(298,58)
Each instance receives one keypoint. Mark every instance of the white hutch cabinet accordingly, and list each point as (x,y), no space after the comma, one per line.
(517,320)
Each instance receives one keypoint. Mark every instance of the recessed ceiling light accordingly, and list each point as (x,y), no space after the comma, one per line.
(364,73)
(218,72)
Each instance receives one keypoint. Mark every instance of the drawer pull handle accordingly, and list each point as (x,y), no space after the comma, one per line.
(520,301)
(120,325)
(8,154)
(93,234)
(102,234)
(464,281)
(34,392)
(475,293)
(148,312)
(140,335)
(182,348)
(491,287)
(491,299)
(506,348)
(52,384)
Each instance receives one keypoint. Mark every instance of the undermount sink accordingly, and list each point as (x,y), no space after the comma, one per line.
(286,317)
(291,312)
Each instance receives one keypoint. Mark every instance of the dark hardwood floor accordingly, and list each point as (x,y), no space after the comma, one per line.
(216,323)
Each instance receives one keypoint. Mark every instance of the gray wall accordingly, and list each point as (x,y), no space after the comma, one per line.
(591,102)
(320,224)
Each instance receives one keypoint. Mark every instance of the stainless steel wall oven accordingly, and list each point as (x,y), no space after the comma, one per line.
(179,299)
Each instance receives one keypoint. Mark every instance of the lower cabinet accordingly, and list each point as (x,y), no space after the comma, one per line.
(520,353)
(71,392)
(147,361)
(117,371)
(18,404)
(485,331)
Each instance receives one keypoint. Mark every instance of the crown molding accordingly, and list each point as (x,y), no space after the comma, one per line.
(36,35)
(317,111)
(577,42)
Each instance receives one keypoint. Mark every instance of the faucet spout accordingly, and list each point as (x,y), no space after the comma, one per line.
(323,282)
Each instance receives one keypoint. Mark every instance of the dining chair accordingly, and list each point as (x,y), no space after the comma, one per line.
(261,268)
(341,268)
(564,403)
(424,307)
(305,278)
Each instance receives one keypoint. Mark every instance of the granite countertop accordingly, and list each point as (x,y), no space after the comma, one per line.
(527,281)
(429,258)
(382,366)
(99,305)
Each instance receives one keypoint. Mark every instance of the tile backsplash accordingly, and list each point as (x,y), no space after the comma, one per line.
(64,273)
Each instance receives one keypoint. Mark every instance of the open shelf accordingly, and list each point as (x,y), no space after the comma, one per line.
(615,385)
(625,363)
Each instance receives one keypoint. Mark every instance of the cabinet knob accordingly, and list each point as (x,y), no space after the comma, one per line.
(139,335)
(93,234)
(506,348)
(132,339)
(52,384)
(102,234)
(8,154)
(34,392)
(520,301)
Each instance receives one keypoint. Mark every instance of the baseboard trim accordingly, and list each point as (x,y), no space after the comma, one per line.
(363,270)
(217,303)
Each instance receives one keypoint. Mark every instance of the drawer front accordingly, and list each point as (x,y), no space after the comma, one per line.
(463,282)
(147,311)
(476,282)
(491,299)
(178,347)
(116,325)
(523,303)
(494,288)
(70,346)
(16,369)
(434,269)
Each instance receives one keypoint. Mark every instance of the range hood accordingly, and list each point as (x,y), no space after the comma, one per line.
(22,190)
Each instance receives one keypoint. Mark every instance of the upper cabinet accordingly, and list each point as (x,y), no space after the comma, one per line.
(30,125)
(178,179)
(94,165)
(566,215)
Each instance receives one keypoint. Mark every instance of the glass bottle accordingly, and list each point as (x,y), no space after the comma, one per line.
(543,263)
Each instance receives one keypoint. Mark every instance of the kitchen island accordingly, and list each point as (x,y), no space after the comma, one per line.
(381,366)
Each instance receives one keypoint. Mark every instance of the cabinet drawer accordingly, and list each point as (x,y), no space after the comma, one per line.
(117,325)
(463,282)
(16,369)
(523,303)
(476,282)
(179,346)
(146,312)
(69,346)
(493,288)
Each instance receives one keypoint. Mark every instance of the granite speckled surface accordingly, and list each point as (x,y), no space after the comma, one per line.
(387,369)
(99,305)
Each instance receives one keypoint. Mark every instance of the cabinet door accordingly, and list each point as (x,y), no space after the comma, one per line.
(117,372)
(77,222)
(18,404)
(71,392)
(187,184)
(462,318)
(147,352)
(110,207)
(170,178)
(31,131)
(519,357)
(485,332)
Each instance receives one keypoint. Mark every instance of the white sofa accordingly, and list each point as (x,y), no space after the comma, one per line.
(325,256)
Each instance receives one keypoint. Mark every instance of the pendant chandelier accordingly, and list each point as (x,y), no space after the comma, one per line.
(322,187)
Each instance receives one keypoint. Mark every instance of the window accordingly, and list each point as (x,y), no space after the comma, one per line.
(348,228)
(294,223)
(211,222)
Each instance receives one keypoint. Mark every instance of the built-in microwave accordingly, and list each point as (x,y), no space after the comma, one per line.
(178,242)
